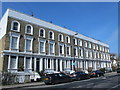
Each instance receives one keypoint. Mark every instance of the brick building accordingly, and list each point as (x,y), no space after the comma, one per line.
(31,44)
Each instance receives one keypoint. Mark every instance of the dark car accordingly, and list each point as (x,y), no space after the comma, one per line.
(79,76)
(118,70)
(56,78)
(96,73)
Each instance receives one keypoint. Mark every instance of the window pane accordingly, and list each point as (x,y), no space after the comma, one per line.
(15,26)
(28,29)
(27,63)
(51,35)
(14,43)
(60,37)
(41,46)
(74,51)
(41,33)
(28,44)
(13,62)
(67,50)
(66,39)
(60,49)
(51,48)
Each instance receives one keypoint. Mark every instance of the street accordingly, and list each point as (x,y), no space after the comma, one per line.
(110,82)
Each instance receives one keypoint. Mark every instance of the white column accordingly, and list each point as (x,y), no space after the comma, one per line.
(16,63)
(31,63)
(9,62)
(34,64)
(72,65)
(64,64)
(56,64)
(24,62)
(95,64)
(53,64)
(45,63)
(41,64)
(86,64)
(60,64)
(81,65)
(50,63)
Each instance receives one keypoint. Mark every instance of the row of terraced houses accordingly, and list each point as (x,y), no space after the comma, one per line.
(30,44)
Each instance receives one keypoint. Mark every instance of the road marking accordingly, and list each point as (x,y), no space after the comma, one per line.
(116,86)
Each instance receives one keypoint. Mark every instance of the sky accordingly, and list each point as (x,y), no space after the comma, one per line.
(98,20)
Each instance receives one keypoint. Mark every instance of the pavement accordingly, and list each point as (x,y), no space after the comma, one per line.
(38,83)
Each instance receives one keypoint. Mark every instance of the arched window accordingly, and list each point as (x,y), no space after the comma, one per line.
(29,29)
(74,41)
(15,26)
(60,37)
(42,32)
(67,39)
(51,35)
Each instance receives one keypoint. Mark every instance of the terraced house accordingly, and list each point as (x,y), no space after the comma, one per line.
(31,44)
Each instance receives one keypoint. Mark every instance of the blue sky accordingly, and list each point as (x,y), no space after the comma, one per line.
(98,20)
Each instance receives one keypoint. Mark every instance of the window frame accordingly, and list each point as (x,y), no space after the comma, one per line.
(43,32)
(18,29)
(52,35)
(68,39)
(31,29)
(61,37)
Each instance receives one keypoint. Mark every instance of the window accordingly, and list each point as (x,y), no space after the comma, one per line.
(68,50)
(14,43)
(89,45)
(51,48)
(85,43)
(86,53)
(96,47)
(80,42)
(42,33)
(28,44)
(15,26)
(61,37)
(13,63)
(42,47)
(27,64)
(93,46)
(61,50)
(51,35)
(75,41)
(67,39)
(29,29)
(81,52)
(75,51)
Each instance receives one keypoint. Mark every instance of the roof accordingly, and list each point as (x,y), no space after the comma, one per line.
(31,19)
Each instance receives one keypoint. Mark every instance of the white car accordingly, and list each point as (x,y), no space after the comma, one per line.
(35,76)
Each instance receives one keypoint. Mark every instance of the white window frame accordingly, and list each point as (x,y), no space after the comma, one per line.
(81,49)
(44,41)
(61,37)
(9,61)
(80,42)
(69,50)
(31,29)
(43,32)
(75,41)
(52,42)
(18,30)
(89,44)
(93,45)
(68,39)
(85,43)
(76,52)
(28,38)
(30,66)
(96,47)
(52,35)
(13,34)
(61,44)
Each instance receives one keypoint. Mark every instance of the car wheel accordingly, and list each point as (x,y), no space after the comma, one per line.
(98,75)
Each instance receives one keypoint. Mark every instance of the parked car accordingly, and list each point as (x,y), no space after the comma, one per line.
(108,70)
(118,70)
(68,71)
(96,73)
(79,75)
(56,78)
(34,76)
